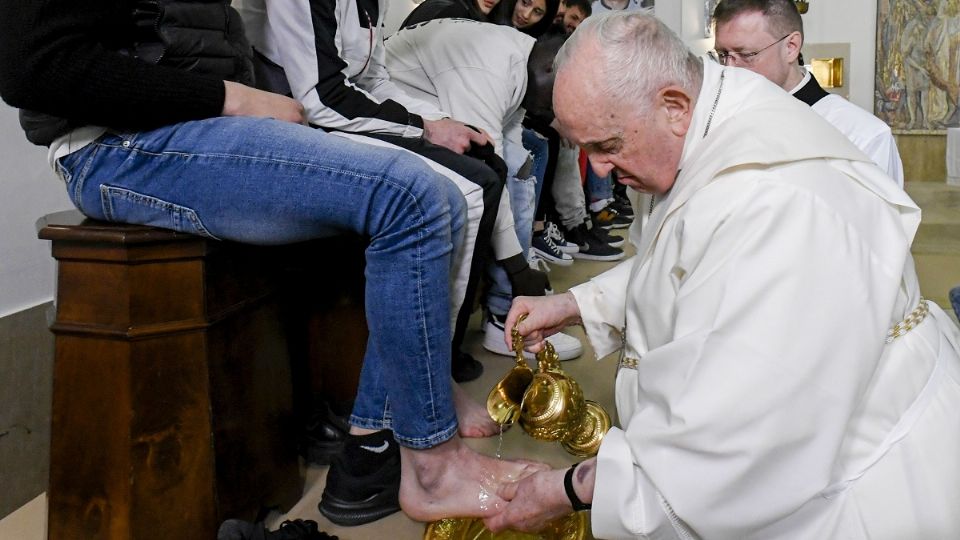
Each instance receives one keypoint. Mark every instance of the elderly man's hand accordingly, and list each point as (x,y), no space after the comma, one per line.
(453,135)
(546,315)
(535,501)
(242,100)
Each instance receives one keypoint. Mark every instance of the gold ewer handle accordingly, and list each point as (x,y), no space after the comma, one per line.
(503,402)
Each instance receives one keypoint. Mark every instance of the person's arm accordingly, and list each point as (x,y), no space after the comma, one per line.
(310,41)
(53,59)
(882,149)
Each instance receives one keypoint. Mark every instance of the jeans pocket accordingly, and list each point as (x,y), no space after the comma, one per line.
(127,206)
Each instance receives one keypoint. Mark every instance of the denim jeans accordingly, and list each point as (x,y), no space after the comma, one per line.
(262,181)
(539,148)
(599,188)
(523,204)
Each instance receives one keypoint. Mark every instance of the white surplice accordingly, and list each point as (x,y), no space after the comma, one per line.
(759,397)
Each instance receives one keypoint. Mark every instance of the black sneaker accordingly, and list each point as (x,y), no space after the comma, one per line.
(324,434)
(623,207)
(464,367)
(363,483)
(609,218)
(298,529)
(607,238)
(542,244)
(592,247)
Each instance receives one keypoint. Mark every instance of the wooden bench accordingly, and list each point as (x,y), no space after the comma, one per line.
(173,402)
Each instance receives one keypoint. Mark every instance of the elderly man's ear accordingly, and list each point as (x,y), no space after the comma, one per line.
(678,108)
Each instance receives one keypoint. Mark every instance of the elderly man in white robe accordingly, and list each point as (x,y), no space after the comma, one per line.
(780,375)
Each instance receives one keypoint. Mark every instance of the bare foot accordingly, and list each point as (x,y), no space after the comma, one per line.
(471,416)
(451,480)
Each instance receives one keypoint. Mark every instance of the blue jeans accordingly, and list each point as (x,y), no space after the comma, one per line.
(539,148)
(955,300)
(523,204)
(598,187)
(262,181)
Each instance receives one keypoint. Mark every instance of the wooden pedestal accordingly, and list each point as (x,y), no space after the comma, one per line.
(172,401)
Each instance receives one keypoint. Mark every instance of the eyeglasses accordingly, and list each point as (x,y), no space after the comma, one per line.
(741,57)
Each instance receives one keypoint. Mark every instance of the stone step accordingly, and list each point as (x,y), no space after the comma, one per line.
(933,196)
(939,231)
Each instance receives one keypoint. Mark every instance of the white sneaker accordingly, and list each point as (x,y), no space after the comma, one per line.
(567,346)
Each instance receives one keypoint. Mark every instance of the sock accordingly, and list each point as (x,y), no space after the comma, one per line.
(367,453)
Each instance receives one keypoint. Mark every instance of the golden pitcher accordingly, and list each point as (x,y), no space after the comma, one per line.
(549,405)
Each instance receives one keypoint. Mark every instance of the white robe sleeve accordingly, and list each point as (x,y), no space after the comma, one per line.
(602,304)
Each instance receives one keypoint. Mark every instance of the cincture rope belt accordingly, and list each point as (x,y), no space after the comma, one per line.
(911,321)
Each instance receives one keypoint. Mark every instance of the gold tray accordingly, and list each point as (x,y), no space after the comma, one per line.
(575,526)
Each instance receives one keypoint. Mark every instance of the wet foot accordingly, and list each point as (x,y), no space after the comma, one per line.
(451,480)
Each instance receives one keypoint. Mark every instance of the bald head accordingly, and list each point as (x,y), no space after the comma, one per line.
(625,91)
(634,54)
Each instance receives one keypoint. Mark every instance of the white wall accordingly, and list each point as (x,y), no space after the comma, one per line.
(853,22)
(28,190)
(849,21)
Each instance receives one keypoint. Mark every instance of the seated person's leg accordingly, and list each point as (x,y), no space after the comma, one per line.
(268,182)
(465,367)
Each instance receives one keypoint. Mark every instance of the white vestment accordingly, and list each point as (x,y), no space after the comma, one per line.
(866,131)
(758,396)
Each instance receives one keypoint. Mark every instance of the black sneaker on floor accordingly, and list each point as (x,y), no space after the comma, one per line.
(607,238)
(623,207)
(363,483)
(464,367)
(324,434)
(297,529)
(543,245)
(591,246)
(609,218)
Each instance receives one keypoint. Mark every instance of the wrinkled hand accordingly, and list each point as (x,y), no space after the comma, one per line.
(242,100)
(546,315)
(453,135)
(535,501)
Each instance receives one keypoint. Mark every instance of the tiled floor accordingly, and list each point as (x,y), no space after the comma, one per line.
(939,269)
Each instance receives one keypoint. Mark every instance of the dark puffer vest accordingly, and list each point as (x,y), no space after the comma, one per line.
(204,36)
(201,36)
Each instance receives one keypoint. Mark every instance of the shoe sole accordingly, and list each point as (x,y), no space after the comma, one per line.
(589,257)
(616,243)
(609,226)
(551,259)
(351,514)
(569,249)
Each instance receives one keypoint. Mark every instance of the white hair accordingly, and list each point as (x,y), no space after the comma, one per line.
(638,56)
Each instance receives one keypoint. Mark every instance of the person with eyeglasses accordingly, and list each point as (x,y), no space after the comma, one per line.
(765,36)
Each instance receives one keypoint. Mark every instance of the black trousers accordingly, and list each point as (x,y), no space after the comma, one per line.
(492,184)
